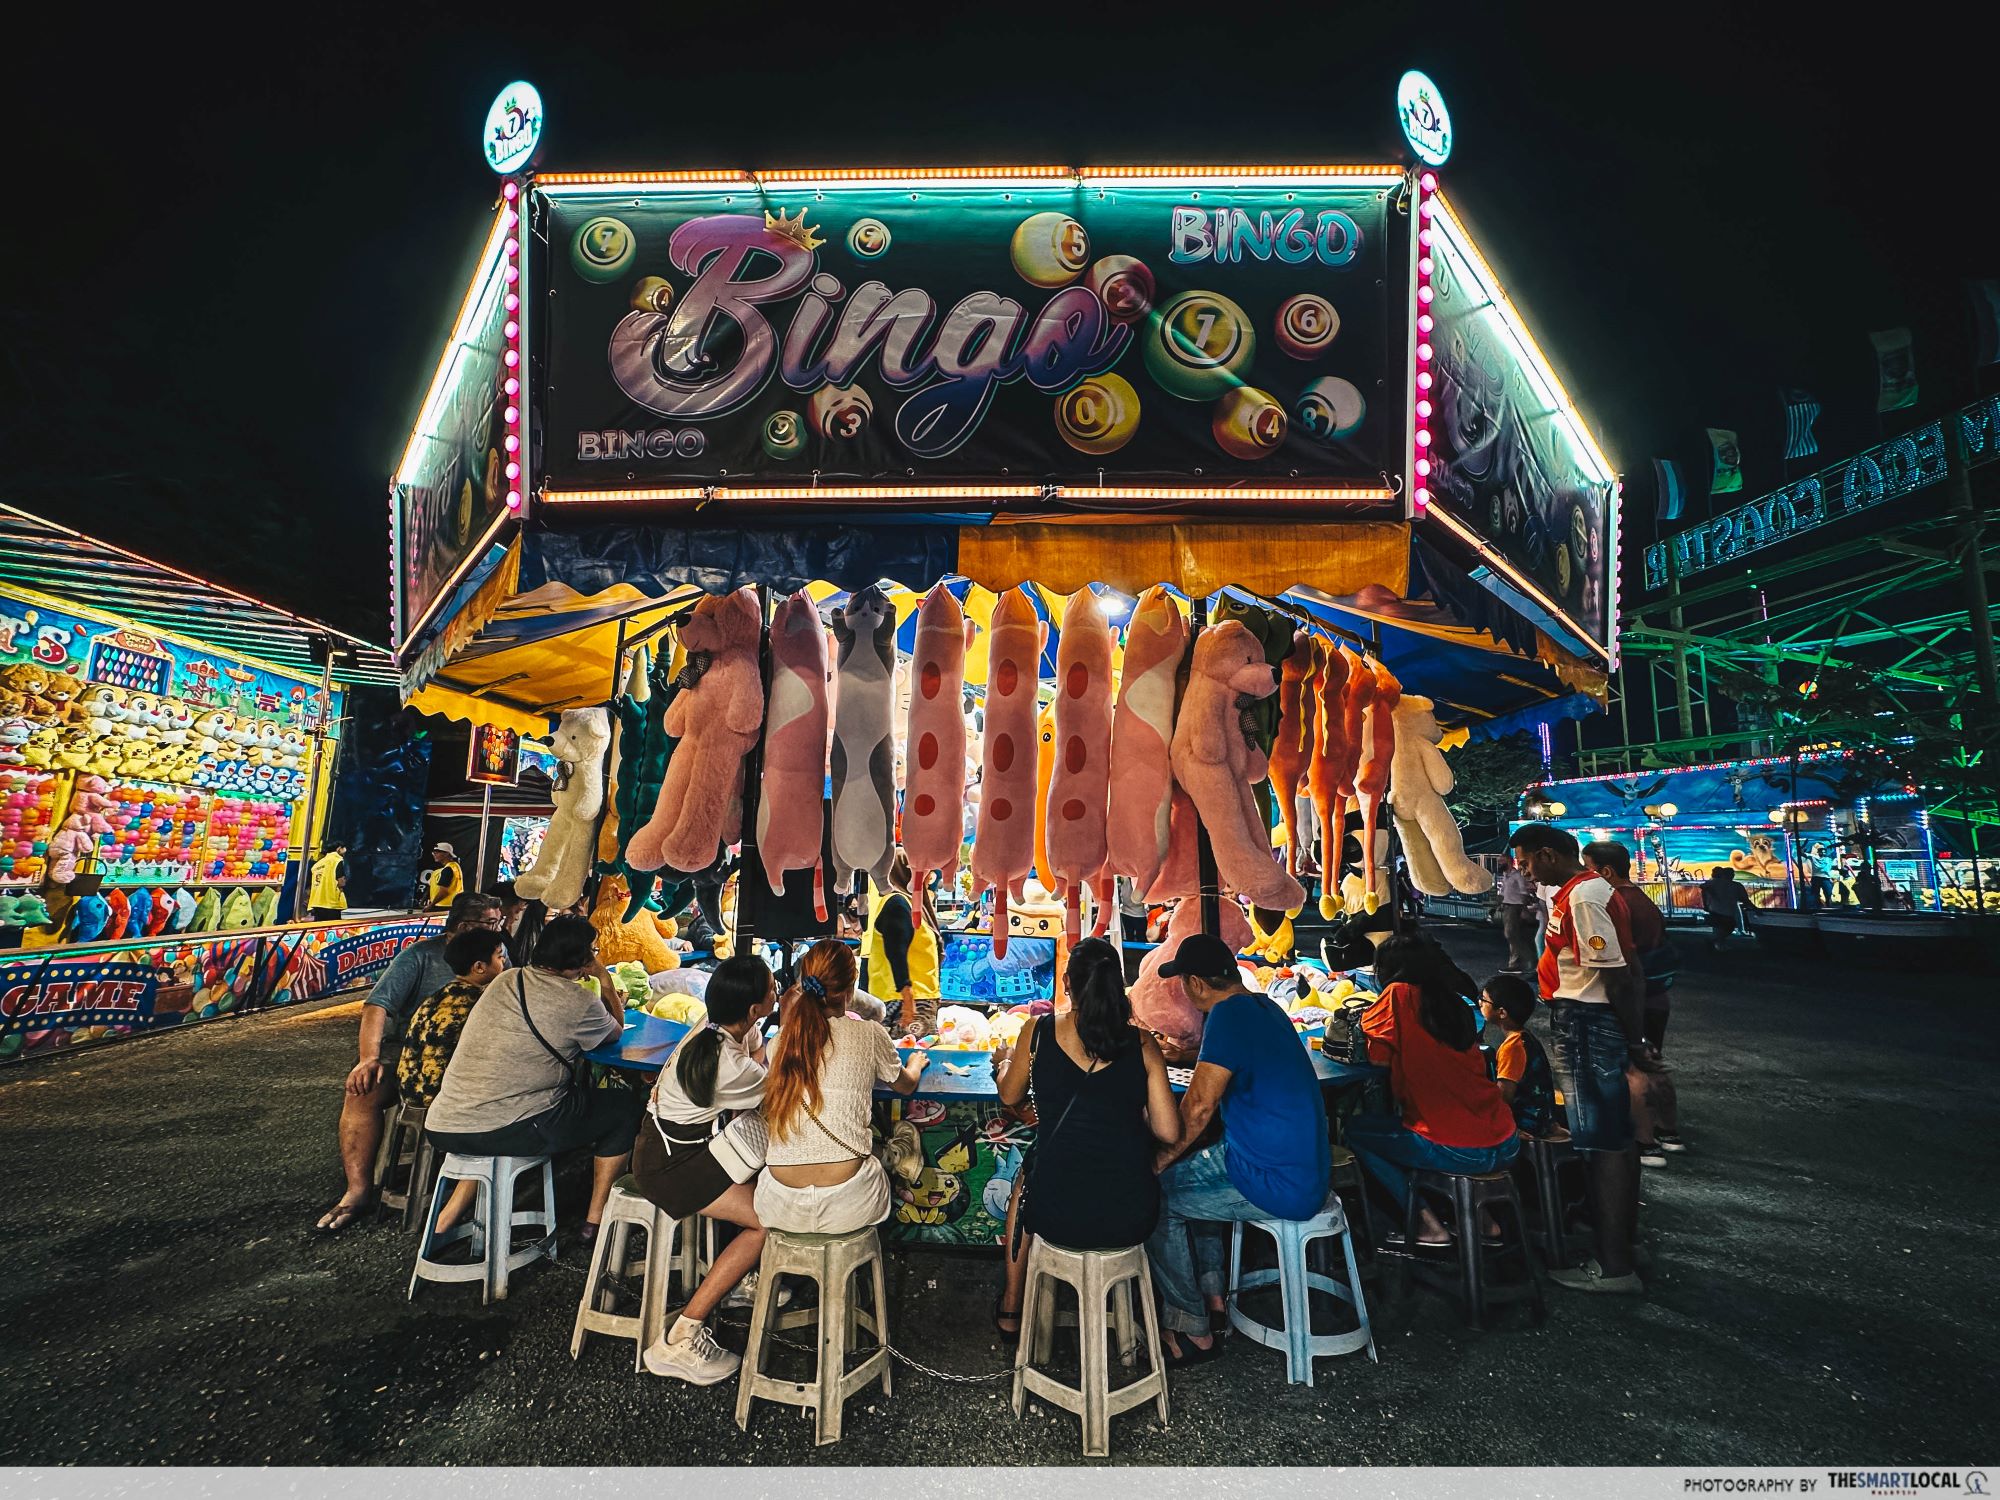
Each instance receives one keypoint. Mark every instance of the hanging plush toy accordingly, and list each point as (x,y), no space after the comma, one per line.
(864,748)
(185,907)
(934,775)
(139,911)
(162,913)
(1003,846)
(207,911)
(1216,762)
(1142,737)
(1418,779)
(643,748)
(1045,770)
(121,913)
(1291,751)
(91,802)
(556,877)
(619,941)
(1346,690)
(88,918)
(1080,786)
(237,911)
(791,806)
(1372,779)
(72,845)
(1162,1005)
(716,719)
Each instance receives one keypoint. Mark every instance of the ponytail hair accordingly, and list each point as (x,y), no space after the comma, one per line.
(738,986)
(1096,978)
(826,977)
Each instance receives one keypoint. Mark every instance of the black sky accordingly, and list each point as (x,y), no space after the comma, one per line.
(235,254)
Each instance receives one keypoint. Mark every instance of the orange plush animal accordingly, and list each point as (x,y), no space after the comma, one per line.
(1372,778)
(1291,752)
(1331,773)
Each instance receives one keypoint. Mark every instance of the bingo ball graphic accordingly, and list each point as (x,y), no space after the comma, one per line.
(840,411)
(1307,325)
(1124,284)
(784,434)
(1248,423)
(1565,571)
(602,249)
(1579,536)
(1198,346)
(1050,249)
(1329,409)
(868,238)
(653,294)
(1099,415)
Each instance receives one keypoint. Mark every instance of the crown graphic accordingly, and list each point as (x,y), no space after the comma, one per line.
(794,230)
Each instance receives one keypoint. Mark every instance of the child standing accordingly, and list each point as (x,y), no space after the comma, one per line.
(1520,1065)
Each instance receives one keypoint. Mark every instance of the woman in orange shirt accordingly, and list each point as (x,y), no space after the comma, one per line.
(1426,1033)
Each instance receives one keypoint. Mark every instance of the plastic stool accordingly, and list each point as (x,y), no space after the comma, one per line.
(833,1261)
(626,1209)
(491,1225)
(1296,1282)
(1544,1158)
(1347,1173)
(404,1144)
(1469,1194)
(1095,1274)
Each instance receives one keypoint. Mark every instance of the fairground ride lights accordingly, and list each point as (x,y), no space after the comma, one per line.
(958,178)
(1080,493)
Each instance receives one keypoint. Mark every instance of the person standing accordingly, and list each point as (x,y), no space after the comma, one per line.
(1723,899)
(901,946)
(1517,917)
(1655,1104)
(1595,993)
(326,898)
(443,881)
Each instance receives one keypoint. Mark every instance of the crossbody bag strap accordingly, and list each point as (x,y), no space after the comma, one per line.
(573,1070)
(848,1146)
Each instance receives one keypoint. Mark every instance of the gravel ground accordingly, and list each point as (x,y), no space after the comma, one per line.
(1821,1293)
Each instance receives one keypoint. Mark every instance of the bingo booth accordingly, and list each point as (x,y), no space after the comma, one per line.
(166,748)
(1067,526)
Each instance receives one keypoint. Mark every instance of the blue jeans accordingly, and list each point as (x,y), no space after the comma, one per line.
(1196,1198)
(1390,1153)
(1590,1059)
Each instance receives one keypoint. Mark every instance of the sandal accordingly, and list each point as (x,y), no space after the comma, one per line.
(341,1215)
(1218,1322)
(1190,1353)
(999,1312)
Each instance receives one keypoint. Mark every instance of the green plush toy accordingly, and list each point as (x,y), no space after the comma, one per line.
(237,912)
(631,978)
(207,912)
(643,752)
(264,908)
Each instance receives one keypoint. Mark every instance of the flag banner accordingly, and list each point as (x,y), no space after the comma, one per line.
(1895,370)
(1801,412)
(1985,297)
(1728,475)
(1671,495)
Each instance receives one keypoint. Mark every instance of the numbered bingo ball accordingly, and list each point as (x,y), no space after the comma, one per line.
(1099,415)
(1307,325)
(602,249)
(784,434)
(1124,284)
(840,412)
(1199,345)
(868,238)
(654,294)
(1329,408)
(1050,249)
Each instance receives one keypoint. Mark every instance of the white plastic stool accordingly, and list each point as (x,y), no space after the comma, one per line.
(490,1226)
(1095,1274)
(832,1260)
(626,1209)
(1295,1285)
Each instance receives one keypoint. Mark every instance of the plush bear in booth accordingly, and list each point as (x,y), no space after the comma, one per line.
(643,940)
(72,844)
(1216,762)
(1161,1005)
(91,801)
(1418,780)
(24,689)
(563,862)
(715,718)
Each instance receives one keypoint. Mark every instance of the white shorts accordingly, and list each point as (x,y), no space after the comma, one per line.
(858,1203)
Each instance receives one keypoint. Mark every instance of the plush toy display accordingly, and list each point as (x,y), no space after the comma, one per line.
(934,774)
(1003,846)
(264,907)
(121,913)
(1372,779)
(162,913)
(207,911)
(791,805)
(1346,690)
(1215,761)
(91,801)
(1142,735)
(139,911)
(1291,751)
(643,750)
(563,861)
(72,845)
(1080,785)
(716,719)
(1161,1005)
(88,919)
(631,977)
(962,1029)
(1418,780)
(237,911)
(637,941)
(686,1009)
(1275,944)
(23,909)
(864,748)
(1358,899)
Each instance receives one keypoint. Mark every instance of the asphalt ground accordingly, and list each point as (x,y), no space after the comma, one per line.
(1822,1290)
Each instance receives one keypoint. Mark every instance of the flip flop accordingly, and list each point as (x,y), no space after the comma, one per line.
(1192,1353)
(343,1215)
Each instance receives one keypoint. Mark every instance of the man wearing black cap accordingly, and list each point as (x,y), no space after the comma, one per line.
(1273,1160)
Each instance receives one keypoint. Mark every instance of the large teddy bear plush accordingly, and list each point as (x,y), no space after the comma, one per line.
(791,814)
(716,719)
(1418,780)
(1215,761)
(563,862)
(1162,1005)
(640,940)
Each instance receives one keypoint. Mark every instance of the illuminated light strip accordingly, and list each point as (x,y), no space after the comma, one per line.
(1708,765)
(468,314)
(1519,580)
(1220,492)
(621,497)
(960,492)
(1170,176)
(513,385)
(450,585)
(1422,263)
(806,176)
(1033,176)
(724,178)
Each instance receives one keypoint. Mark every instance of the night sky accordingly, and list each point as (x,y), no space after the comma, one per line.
(234,261)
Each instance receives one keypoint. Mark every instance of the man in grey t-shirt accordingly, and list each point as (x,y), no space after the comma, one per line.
(416,972)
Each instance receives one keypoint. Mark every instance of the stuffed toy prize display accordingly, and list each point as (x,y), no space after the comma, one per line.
(1142,734)
(934,774)
(864,739)
(1080,786)
(791,809)
(1431,839)
(556,877)
(1003,846)
(1291,751)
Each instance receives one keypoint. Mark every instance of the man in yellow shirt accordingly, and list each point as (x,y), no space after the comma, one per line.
(326,900)
(443,881)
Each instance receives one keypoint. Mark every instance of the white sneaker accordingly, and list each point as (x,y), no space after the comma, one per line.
(698,1359)
(744,1297)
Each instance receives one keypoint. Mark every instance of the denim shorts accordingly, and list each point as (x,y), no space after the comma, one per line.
(1590,1057)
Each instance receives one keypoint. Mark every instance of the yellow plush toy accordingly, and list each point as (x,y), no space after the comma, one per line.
(637,941)
(1275,946)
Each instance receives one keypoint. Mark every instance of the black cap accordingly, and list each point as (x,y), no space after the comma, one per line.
(1201,957)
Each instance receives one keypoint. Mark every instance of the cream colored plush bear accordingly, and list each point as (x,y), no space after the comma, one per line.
(1418,780)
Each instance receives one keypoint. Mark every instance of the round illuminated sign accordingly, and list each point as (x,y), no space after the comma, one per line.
(513,127)
(1426,122)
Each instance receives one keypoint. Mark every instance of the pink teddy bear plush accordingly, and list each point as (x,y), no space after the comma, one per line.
(1161,1005)
(71,845)
(91,803)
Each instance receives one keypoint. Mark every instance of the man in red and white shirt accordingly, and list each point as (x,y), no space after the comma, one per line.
(1589,975)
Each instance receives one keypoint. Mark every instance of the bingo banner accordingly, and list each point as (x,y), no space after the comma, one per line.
(1066,334)
(56,998)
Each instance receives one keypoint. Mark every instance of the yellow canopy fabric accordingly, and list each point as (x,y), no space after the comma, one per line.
(1198,558)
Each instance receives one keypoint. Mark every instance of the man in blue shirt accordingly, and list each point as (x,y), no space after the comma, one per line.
(1272,1162)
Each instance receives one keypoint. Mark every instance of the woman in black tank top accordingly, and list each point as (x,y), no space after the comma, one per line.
(1103,1108)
